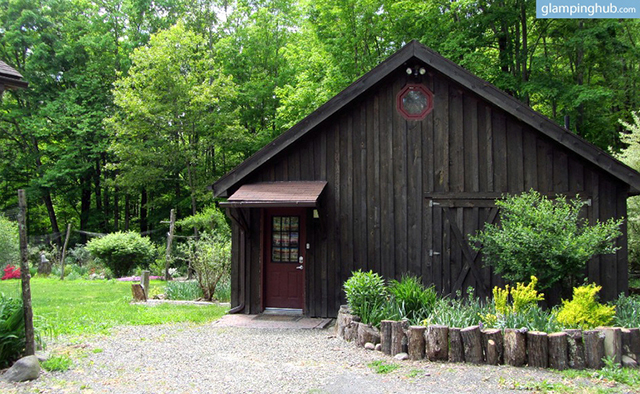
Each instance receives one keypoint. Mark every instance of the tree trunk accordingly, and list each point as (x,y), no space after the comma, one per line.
(558,351)
(538,349)
(593,348)
(143,212)
(515,349)
(575,347)
(116,208)
(25,276)
(472,342)
(385,335)
(416,342)
(456,349)
(46,198)
(493,346)
(437,342)
(85,207)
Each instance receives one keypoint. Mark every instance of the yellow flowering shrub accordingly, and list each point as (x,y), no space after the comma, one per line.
(584,311)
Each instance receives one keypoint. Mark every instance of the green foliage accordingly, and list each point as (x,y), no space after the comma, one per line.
(627,311)
(381,367)
(545,238)
(121,251)
(59,363)
(584,311)
(366,295)
(631,157)
(210,257)
(187,290)
(209,219)
(413,300)
(9,242)
(460,311)
(12,340)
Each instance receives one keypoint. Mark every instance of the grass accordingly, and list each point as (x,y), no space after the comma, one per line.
(58,363)
(382,367)
(96,306)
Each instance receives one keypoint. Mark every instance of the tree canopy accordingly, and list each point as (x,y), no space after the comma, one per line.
(136,106)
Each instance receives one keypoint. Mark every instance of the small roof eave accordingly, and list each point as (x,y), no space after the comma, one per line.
(303,194)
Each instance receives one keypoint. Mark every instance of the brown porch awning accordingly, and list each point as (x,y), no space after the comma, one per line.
(276,194)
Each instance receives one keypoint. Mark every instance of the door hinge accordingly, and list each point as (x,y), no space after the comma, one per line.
(432,253)
(433,203)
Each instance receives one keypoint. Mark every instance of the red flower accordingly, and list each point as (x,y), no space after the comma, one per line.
(11,272)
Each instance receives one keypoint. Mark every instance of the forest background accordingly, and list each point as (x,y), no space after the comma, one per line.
(135,107)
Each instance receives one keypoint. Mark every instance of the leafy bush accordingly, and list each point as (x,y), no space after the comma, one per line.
(11,272)
(210,219)
(627,311)
(59,363)
(413,300)
(9,242)
(121,251)
(12,340)
(210,257)
(366,295)
(543,238)
(178,290)
(584,311)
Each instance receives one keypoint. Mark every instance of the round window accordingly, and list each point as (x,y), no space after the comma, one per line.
(415,102)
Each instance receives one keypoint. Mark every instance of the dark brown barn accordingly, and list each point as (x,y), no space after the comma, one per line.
(391,175)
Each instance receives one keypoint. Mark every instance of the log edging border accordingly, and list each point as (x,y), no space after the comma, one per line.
(571,348)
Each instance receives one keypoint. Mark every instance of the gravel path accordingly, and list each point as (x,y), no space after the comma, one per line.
(186,358)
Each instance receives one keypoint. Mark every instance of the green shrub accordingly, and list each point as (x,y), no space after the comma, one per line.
(12,340)
(459,311)
(545,238)
(413,300)
(223,290)
(9,242)
(121,251)
(59,363)
(210,258)
(627,311)
(189,290)
(584,311)
(366,295)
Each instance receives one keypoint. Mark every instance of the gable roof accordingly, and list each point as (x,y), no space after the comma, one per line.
(10,78)
(493,95)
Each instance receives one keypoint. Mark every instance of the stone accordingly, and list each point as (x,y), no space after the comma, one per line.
(628,362)
(42,357)
(369,346)
(379,347)
(27,368)
(401,356)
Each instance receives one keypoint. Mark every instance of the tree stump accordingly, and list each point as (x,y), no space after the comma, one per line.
(351,331)
(367,333)
(437,342)
(613,343)
(631,343)
(416,344)
(575,349)
(138,292)
(537,349)
(493,345)
(593,348)
(472,343)
(515,347)
(344,319)
(558,351)
(385,336)
(456,350)
(398,337)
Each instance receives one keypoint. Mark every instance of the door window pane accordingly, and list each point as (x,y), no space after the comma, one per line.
(285,235)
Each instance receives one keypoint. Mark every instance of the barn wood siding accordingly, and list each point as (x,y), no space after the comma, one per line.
(380,168)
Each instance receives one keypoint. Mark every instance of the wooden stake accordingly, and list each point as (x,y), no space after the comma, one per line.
(64,251)
(172,226)
(30,344)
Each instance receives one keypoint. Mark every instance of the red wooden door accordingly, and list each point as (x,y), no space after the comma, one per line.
(284,258)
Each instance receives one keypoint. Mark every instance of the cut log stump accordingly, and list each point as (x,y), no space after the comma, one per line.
(631,343)
(612,343)
(385,336)
(593,348)
(558,351)
(138,292)
(575,349)
(416,345)
(437,343)
(398,338)
(515,347)
(493,345)
(472,344)
(537,349)
(367,334)
(456,350)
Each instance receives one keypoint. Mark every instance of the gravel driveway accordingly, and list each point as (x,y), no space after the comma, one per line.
(186,358)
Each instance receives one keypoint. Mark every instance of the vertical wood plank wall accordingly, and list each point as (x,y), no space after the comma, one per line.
(379,167)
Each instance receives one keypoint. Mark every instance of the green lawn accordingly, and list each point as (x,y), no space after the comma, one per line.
(81,307)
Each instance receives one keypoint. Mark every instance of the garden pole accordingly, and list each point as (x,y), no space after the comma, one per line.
(172,225)
(30,345)
(64,251)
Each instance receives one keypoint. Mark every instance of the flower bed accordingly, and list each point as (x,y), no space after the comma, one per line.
(518,347)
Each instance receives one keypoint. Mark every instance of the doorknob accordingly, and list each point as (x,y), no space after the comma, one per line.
(299,267)
(300,259)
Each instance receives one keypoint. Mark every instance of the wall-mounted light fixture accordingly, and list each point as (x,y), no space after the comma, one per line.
(416,70)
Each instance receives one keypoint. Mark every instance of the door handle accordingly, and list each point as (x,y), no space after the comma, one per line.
(299,267)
